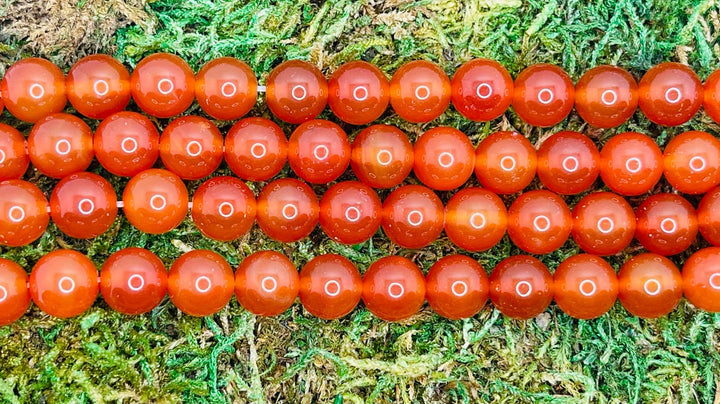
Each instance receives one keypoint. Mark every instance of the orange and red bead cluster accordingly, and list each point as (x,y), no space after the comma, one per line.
(84,205)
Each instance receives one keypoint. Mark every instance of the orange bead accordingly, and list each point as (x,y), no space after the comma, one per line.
(23,213)
(33,88)
(163,85)
(568,162)
(14,293)
(420,91)
(223,208)
(296,91)
(155,201)
(666,224)
(603,223)
(631,163)
(482,89)
(226,88)
(606,96)
(393,288)
(126,143)
(650,285)
(692,162)
(444,158)
(98,86)
(585,286)
(457,287)
(670,94)
(543,95)
(521,287)
(701,279)
(133,281)
(14,159)
(319,151)
(60,145)
(200,283)
(255,149)
(266,283)
(708,214)
(382,156)
(350,212)
(475,219)
(539,222)
(64,283)
(330,286)
(505,162)
(287,210)
(83,205)
(413,216)
(191,147)
(359,92)
(711,96)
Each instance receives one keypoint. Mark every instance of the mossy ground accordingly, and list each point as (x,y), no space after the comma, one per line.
(166,356)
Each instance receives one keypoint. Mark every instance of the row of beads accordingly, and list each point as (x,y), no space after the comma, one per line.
(163,85)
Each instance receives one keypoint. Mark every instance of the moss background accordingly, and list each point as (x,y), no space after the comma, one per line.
(233,356)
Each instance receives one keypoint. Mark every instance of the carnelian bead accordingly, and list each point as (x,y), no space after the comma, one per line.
(223,208)
(200,283)
(649,285)
(23,213)
(33,88)
(330,286)
(350,212)
(585,286)
(603,223)
(155,201)
(631,163)
(226,88)
(83,205)
(666,224)
(191,147)
(98,86)
(382,156)
(14,293)
(287,210)
(543,95)
(266,283)
(413,216)
(359,92)
(60,145)
(539,222)
(708,214)
(444,158)
(670,94)
(692,162)
(457,287)
(568,162)
(133,281)
(505,162)
(393,288)
(14,159)
(482,89)
(255,149)
(420,91)
(711,96)
(163,85)
(475,219)
(521,287)
(701,279)
(319,151)
(126,143)
(296,91)
(606,96)
(64,283)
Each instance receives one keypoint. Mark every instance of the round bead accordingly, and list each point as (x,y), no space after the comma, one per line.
(83,205)
(505,162)
(666,224)
(413,216)
(711,96)
(475,219)
(650,285)
(64,283)
(521,287)
(701,279)
(296,91)
(266,283)
(482,90)
(359,92)
(287,210)
(33,88)
(539,222)
(98,86)
(382,156)
(350,212)
(568,162)
(457,287)
(586,286)
(631,163)
(60,145)
(23,213)
(670,94)
(692,162)
(330,286)
(319,151)
(255,149)
(708,214)
(223,208)
(226,88)
(191,147)
(200,283)
(393,288)
(606,96)
(14,293)
(543,95)
(444,158)
(133,281)
(603,223)
(163,85)
(14,159)
(420,91)
(126,143)
(155,201)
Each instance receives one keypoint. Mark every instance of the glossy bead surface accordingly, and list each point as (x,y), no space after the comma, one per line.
(287,210)
(666,224)
(156,201)
(319,151)
(649,285)
(539,222)
(543,95)
(14,293)
(296,91)
(708,214)
(200,283)
(711,96)
(701,279)
(692,162)
(98,86)
(603,223)
(163,85)
(226,88)
(23,213)
(83,205)
(350,212)
(330,286)
(420,91)
(482,89)
(14,159)
(413,216)
(33,88)
(382,156)
(586,286)
(133,281)
(223,208)
(444,158)
(255,149)
(60,145)
(475,219)
(505,162)
(393,288)
(521,287)
(606,96)
(191,147)
(126,143)
(457,287)
(64,283)
(631,163)
(266,283)
(359,92)
(670,94)
(568,162)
